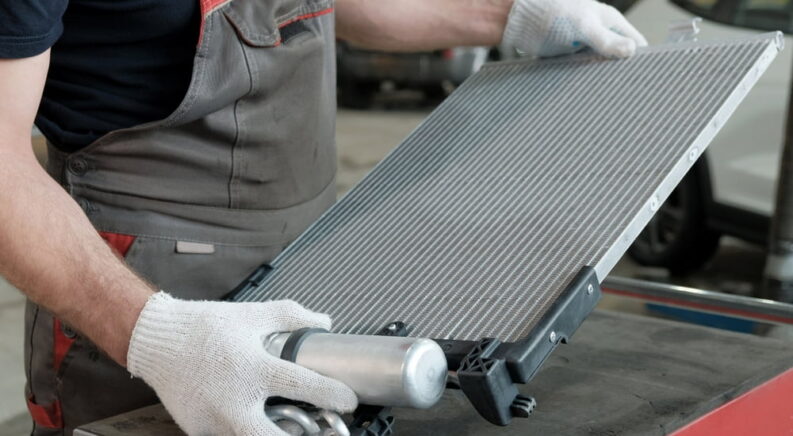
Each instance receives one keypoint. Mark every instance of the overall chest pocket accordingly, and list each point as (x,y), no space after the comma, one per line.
(283,152)
(272,23)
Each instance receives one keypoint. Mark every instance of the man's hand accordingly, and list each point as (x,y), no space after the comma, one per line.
(207,363)
(556,27)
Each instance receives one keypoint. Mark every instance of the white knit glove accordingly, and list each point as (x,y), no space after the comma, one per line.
(556,27)
(206,361)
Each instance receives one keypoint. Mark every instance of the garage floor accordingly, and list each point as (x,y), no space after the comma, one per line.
(364,138)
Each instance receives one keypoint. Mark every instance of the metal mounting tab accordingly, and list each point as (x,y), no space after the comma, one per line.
(372,421)
(683,30)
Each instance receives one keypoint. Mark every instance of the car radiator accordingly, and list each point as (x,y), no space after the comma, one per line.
(501,213)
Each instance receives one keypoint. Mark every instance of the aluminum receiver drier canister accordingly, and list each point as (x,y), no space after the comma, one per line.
(381,370)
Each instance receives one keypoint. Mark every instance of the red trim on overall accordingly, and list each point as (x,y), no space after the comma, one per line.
(301,18)
(305,17)
(207,6)
(48,416)
(120,243)
(60,344)
(765,410)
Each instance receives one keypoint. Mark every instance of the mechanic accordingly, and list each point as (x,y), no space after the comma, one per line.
(189,142)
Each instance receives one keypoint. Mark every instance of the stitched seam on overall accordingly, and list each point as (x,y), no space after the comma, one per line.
(273,38)
(192,97)
(233,186)
(273,243)
(268,39)
(135,249)
(234,195)
(210,208)
(54,406)
(303,10)
(33,325)
(207,7)
(305,15)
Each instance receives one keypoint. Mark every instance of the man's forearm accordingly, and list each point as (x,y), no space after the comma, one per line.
(50,251)
(418,25)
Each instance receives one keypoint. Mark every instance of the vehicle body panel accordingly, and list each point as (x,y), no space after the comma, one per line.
(744,157)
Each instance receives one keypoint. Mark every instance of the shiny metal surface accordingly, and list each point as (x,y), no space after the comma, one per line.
(293,413)
(709,301)
(529,171)
(336,424)
(382,370)
(684,30)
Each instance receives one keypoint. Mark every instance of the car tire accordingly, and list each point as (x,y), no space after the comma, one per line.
(434,93)
(678,237)
(357,94)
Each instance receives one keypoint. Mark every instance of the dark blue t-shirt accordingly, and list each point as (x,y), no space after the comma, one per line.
(114,63)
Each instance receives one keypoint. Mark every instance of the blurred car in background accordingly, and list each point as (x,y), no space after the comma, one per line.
(361,73)
(731,190)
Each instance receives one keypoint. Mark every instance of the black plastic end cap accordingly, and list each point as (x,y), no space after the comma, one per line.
(487,384)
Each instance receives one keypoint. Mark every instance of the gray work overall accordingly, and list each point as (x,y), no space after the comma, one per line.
(195,202)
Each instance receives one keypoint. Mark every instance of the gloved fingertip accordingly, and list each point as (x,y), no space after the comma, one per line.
(306,385)
(344,400)
(630,48)
(340,397)
(294,316)
(622,48)
(313,320)
(322,320)
(336,396)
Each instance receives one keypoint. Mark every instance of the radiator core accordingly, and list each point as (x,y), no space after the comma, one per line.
(530,170)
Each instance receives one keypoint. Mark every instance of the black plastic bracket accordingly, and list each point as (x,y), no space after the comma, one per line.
(372,421)
(557,326)
(486,382)
(488,370)
(252,281)
(396,328)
